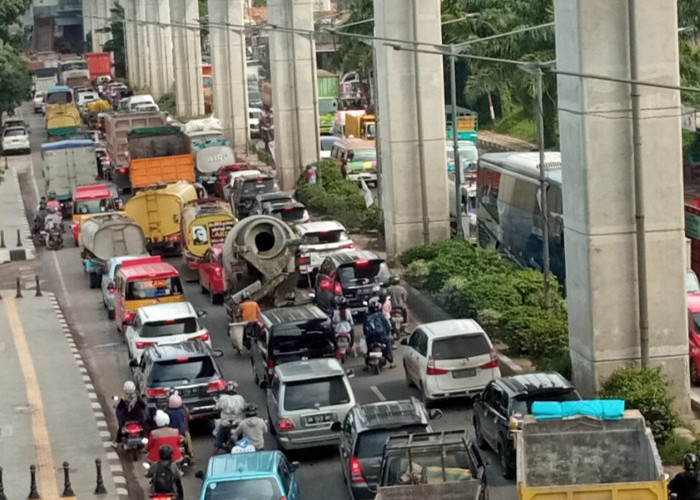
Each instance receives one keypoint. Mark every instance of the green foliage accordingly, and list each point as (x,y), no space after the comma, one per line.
(675,447)
(15,79)
(339,199)
(116,43)
(352,54)
(645,389)
(166,103)
(10,12)
(517,123)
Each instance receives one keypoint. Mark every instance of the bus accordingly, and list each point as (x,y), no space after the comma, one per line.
(509,210)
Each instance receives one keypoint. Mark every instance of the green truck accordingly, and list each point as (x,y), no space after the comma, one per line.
(327,85)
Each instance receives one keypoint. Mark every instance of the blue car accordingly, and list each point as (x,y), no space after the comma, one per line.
(259,475)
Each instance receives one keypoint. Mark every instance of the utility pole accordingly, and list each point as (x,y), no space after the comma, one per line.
(455,147)
(543,188)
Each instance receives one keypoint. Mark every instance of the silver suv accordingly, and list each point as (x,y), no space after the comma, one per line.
(307,401)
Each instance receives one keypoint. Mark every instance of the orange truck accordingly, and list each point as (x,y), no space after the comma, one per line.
(159,155)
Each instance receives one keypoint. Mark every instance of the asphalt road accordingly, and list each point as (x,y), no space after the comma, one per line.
(104,350)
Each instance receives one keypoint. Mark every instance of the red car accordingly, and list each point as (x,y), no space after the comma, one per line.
(211,274)
(222,177)
(693,302)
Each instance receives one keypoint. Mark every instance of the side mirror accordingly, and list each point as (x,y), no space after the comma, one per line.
(133,363)
(336,427)
(199,474)
(435,414)
(404,341)
(217,353)
(202,314)
(296,466)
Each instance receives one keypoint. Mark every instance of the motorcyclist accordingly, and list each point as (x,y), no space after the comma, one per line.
(53,202)
(399,297)
(248,311)
(377,329)
(686,484)
(342,320)
(165,475)
(252,427)
(232,406)
(385,302)
(41,214)
(163,434)
(130,408)
(180,420)
(52,218)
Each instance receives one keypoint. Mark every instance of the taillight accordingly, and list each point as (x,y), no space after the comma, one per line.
(338,355)
(142,345)
(111,289)
(129,316)
(350,244)
(122,170)
(338,288)
(161,496)
(216,385)
(133,428)
(270,367)
(204,336)
(356,471)
(431,370)
(285,424)
(303,259)
(155,392)
(494,361)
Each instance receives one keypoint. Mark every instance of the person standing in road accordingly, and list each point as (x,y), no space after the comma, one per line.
(232,406)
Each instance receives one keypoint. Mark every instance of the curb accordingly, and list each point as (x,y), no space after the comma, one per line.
(27,250)
(424,308)
(113,466)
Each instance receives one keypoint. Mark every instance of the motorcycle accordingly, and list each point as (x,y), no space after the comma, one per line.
(398,323)
(343,340)
(183,463)
(375,359)
(158,496)
(132,439)
(232,438)
(53,239)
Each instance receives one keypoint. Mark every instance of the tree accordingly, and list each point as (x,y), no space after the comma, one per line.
(116,43)
(352,54)
(15,79)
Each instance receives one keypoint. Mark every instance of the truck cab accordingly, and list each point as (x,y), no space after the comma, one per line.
(89,200)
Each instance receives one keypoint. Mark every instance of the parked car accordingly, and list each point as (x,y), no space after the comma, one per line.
(291,213)
(319,240)
(273,197)
(289,334)
(307,401)
(16,140)
(166,323)
(108,278)
(365,430)
(188,367)
(211,274)
(356,275)
(511,398)
(451,358)
(37,101)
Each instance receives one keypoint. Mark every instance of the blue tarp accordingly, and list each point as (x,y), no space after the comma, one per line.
(59,88)
(67,144)
(605,409)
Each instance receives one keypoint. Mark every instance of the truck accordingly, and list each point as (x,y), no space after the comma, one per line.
(159,154)
(577,453)
(99,64)
(327,86)
(204,223)
(210,149)
(467,124)
(90,200)
(444,465)
(158,210)
(103,236)
(65,166)
(208,88)
(44,79)
(361,126)
(116,128)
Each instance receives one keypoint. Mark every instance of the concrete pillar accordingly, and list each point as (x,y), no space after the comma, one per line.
(293,69)
(598,190)
(144,50)
(187,57)
(410,96)
(88,21)
(165,44)
(98,12)
(132,48)
(155,66)
(228,60)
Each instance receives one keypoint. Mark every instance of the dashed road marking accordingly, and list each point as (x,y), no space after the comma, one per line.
(377,393)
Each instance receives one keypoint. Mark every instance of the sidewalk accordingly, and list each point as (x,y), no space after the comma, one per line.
(50,412)
(12,216)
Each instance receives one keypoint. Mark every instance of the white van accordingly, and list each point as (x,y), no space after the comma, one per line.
(86,97)
(135,100)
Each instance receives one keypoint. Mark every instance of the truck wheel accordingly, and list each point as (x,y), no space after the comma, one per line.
(506,465)
(94,280)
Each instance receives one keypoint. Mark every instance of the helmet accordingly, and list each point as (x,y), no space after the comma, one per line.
(245,295)
(231,386)
(690,462)
(165,452)
(162,419)
(174,401)
(42,204)
(341,301)
(129,387)
(383,294)
(393,280)
(251,410)
(52,194)
(374,307)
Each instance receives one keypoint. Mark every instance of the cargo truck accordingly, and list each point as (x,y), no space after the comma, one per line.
(327,86)
(99,64)
(159,154)
(204,223)
(467,125)
(116,128)
(564,454)
(361,126)
(65,166)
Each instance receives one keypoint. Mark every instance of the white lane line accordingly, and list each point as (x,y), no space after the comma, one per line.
(377,393)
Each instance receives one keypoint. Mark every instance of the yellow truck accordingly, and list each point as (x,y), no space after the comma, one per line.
(583,458)
(361,126)
(157,210)
(205,222)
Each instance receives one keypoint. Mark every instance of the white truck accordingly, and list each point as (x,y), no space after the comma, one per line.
(67,165)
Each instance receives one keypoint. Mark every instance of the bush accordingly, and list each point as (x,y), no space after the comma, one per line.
(673,449)
(166,103)
(645,389)
(417,273)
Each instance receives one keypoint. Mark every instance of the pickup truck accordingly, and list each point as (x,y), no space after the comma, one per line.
(444,465)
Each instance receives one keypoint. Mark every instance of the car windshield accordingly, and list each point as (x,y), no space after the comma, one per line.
(207,81)
(246,489)
(152,288)
(253,96)
(371,443)
(288,214)
(182,369)
(364,155)
(258,185)
(15,132)
(460,346)
(169,327)
(327,143)
(92,206)
(284,198)
(369,271)
(310,340)
(523,404)
(315,393)
(324,237)
(255,114)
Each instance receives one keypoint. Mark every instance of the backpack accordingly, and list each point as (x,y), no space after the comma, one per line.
(375,325)
(163,478)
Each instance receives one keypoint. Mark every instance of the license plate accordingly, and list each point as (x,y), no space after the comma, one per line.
(375,354)
(318,419)
(188,392)
(469,372)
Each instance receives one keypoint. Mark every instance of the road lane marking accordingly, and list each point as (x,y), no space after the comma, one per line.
(42,443)
(377,393)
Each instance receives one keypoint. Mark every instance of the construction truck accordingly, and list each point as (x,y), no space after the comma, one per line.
(361,126)
(159,155)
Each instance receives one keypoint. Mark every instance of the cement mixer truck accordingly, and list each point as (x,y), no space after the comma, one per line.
(104,236)
(258,257)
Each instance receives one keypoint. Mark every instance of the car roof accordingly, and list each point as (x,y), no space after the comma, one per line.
(390,413)
(451,328)
(296,314)
(349,257)
(534,382)
(165,352)
(240,465)
(309,369)
(319,226)
(166,311)
(244,173)
(154,270)
(277,195)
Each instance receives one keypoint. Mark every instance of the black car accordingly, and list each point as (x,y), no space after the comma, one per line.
(188,367)
(357,276)
(290,334)
(274,197)
(246,188)
(511,398)
(366,429)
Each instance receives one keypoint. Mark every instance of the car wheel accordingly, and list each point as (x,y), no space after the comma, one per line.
(427,401)
(506,465)
(204,290)
(409,382)
(480,441)
(694,378)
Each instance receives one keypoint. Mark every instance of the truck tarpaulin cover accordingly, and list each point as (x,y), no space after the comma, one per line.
(605,409)
(152,131)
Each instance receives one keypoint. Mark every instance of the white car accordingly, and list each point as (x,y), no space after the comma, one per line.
(165,323)
(38,100)
(326,143)
(254,115)
(451,358)
(15,139)
(318,241)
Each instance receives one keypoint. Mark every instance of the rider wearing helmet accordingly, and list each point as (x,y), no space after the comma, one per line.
(165,474)
(342,319)
(232,406)
(253,428)
(378,330)
(130,408)
(686,484)
(41,214)
(180,419)
(163,434)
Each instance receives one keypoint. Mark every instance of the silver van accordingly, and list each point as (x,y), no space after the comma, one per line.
(307,401)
